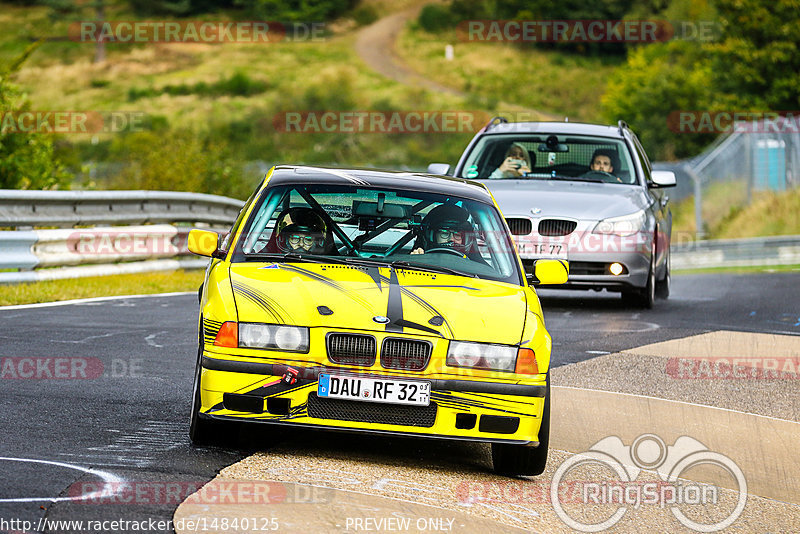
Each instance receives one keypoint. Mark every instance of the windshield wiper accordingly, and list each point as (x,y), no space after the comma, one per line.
(430,268)
(293,256)
(309,258)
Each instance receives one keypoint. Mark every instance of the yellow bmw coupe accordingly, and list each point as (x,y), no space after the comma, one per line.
(375,301)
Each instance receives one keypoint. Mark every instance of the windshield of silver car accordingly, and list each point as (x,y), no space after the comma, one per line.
(550,157)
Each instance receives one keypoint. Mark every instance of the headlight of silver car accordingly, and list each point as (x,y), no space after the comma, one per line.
(482,356)
(273,336)
(622,226)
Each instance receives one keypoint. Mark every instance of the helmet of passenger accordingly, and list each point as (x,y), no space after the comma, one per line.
(303,230)
(447,226)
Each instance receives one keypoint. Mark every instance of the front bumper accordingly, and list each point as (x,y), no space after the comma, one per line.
(474,410)
(590,255)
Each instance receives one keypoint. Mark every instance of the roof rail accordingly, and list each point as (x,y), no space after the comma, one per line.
(492,123)
(622,125)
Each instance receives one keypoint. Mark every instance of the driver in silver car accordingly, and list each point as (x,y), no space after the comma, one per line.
(604,160)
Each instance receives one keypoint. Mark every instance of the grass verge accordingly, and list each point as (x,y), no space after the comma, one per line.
(559,83)
(100,286)
(742,270)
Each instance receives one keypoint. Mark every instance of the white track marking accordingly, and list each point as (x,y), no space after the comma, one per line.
(149,339)
(112,484)
(91,300)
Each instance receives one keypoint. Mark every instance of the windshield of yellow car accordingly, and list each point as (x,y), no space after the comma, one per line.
(366,225)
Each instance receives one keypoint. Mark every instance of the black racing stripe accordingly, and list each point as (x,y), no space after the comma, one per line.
(268,303)
(442,285)
(280,388)
(410,324)
(328,282)
(264,302)
(394,307)
(476,404)
(422,302)
(375,274)
(243,389)
(210,330)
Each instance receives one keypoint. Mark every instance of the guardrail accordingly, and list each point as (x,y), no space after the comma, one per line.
(750,252)
(112,249)
(66,209)
(71,252)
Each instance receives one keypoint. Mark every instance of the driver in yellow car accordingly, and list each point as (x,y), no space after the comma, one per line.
(445,227)
(301,230)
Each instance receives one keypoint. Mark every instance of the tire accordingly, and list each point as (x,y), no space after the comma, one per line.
(645,297)
(662,287)
(201,431)
(515,460)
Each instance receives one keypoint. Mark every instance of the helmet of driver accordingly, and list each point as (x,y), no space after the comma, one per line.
(447,226)
(302,230)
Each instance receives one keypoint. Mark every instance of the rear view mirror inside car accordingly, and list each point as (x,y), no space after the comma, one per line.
(380,209)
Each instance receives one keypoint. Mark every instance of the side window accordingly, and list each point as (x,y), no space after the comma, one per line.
(238,222)
(642,158)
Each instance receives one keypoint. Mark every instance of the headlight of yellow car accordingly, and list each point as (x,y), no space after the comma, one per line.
(491,357)
(263,336)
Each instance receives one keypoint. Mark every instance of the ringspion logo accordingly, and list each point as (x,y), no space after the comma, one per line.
(625,491)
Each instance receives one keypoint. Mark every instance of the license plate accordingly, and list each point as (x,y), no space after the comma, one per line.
(415,393)
(542,250)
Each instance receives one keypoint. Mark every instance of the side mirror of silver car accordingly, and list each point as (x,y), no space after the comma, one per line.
(439,168)
(663,179)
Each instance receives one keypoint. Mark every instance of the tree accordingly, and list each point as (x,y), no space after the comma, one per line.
(71,9)
(658,80)
(26,159)
(757,58)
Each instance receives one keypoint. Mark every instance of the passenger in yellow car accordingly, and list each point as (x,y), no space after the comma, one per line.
(303,231)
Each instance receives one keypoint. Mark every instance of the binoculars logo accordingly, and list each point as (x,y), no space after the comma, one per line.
(647,452)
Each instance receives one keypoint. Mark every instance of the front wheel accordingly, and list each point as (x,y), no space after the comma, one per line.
(515,460)
(645,297)
(662,287)
(201,431)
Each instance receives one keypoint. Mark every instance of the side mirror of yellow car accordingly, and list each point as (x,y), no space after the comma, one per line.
(205,243)
(549,272)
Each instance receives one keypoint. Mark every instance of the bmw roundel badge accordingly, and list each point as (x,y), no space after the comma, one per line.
(380,319)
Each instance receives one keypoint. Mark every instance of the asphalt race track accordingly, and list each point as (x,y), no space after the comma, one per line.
(99,391)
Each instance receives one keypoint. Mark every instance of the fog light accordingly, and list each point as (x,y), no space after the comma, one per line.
(615,268)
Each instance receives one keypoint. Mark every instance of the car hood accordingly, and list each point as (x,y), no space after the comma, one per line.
(556,198)
(290,293)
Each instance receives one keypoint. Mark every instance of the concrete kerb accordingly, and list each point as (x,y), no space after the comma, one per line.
(762,447)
